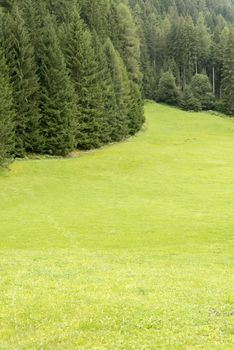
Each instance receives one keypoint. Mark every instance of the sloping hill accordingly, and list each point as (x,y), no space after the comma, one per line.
(128,247)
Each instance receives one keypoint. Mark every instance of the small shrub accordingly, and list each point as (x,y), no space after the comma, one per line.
(189,102)
(201,89)
(167,89)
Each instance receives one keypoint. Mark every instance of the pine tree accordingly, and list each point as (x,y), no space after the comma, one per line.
(95,14)
(136,111)
(60,9)
(203,43)
(6,113)
(201,89)
(171,65)
(57,99)
(128,43)
(23,75)
(189,102)
(149,74)
(121,84)
(83,68)
(109,104)
(228,75)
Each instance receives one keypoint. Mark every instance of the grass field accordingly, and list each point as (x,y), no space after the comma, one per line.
(128,247)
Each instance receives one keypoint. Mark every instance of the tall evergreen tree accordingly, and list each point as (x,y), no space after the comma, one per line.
(120,127)
(136,112)
(201,88)
(7,113)
(228,74)
(128,43)
(95,14)
(109,104)
(83,68)
(23,75)
(149,74)
(57,99)
(203,43)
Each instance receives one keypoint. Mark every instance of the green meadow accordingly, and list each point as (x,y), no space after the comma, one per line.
(127,247)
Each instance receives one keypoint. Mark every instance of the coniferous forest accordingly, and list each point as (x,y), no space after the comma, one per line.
(187,52)
(74,74)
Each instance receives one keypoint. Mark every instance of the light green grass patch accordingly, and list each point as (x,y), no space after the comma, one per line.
(128,247)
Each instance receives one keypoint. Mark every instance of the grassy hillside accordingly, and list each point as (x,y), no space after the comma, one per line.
(128,247)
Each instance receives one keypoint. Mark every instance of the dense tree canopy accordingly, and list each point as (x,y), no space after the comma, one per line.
(70,75)
(187,37)
(7,135)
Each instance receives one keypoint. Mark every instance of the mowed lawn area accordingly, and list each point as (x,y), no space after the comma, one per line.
(127,247)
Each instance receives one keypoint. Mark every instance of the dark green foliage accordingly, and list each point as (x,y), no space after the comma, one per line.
(167,89)
(189,102)
(136,112)
(187,37)
(23,75)
(6,114)
(95,13)
(84,72)
(201,89)
(57,99)
(220,106)
(228,75)
(6,4)
(69,89)
(182,43)
(108,97)
(128,46)
(128,43)
(121,84)
(200,85)
(149,74)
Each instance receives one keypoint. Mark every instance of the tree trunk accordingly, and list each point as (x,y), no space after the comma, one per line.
(184,77)
(213,70)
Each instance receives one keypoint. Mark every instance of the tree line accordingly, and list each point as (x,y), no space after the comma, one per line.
(69,74)
(187,52)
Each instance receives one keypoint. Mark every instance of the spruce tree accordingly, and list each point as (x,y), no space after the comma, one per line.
(167,89)
(23,75)
(121,84)
(57,98)
(128,43)
(83,67)
(6,113)
(189,102)
(201,88)
(149,74)
(129,47)
(228,75)
(136,111)
(95,14)
(109,104)
(203,43)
